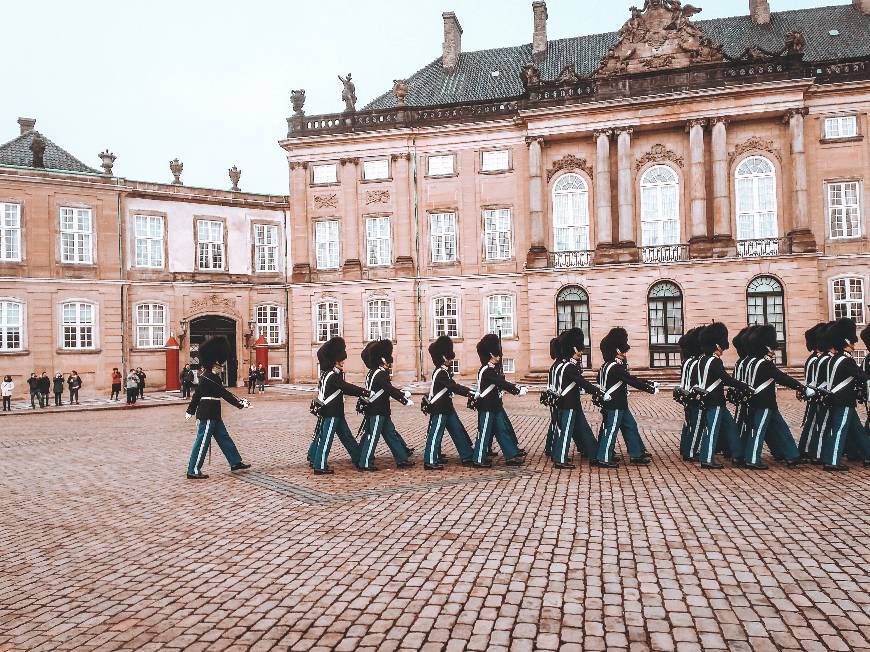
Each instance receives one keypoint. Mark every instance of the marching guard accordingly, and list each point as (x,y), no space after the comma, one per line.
(205,405)
(614,380)
(442,414)
(811,379)
(865,396)
(552,391)
(690,435)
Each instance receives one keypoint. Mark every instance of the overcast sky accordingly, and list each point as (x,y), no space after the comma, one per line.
(209,81)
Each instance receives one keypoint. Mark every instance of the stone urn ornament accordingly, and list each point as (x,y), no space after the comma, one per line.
(235,174)
(176,167)
(107,159)
(297,101)
(400,90)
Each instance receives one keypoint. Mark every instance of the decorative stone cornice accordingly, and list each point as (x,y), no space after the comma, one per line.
(754,144)
(326,201)
(624,130)
(535,139)
(696,122)
(657,154)
(349,161)
(569,162)
(720,118)
(791,113)
(602,132)
(298,164)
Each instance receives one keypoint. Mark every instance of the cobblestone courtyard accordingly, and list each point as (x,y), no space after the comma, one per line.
(104,544)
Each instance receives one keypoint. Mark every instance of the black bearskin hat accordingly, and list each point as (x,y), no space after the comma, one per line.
(762,340)
(689,343)
(571,341)
(213,350)
(740,342)
(488,346)
(441,350)
(376,353)
(811,337)
(843,333)
(335,350)
(366,355)
(716,334)
(865,337)
(823,337)
(616,341)
(555,349)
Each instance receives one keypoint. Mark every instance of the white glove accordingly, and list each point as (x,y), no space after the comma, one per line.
(406,394)
(245,403)
(523,390)
(188,416)
(655,388)
(408,401)
(810,392)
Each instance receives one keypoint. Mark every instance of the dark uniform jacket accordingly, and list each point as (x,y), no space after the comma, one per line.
(489,376)
(381,390)
(711,371)
(571,376)
(759,372)
(688,372)
(206,400)
(552,375)
(810,367)
(333,381)
(613,373)
(842,368)
(442,379)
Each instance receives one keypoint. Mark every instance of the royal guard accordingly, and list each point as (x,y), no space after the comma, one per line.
(378,357)
(329,406)
(741,413)
(205,405)
(492,420)
(865,337)
(614,380)
(693,425)
(827,353)
(811,379)
(552,376)
(442,414)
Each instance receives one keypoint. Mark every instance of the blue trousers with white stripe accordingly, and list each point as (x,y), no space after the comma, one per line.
(449,421)
(329,428)
(375,426)
(572,424)
(769,426)
(808,430)
(845,429)
(615,421)
(209,428)
(495,424)
(690,438)
(552,431)
(719,422)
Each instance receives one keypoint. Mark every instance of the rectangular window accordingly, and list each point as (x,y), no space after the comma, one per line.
(442,228)
(454,366)
(78,325)
(11,323)
(150,325)
(500,314)
(446,316)
(265,248)
(495,160)
(376,170)
(509,365)
(322,174)
(76,236)
(275,372)
(269,324)
(844,209)
(210,242)
(327,320)
(849,299)
(326,243)
(10,232)
(380,319)
(845,126)
(441,165)
(149,241)
(497,232)
(378,241)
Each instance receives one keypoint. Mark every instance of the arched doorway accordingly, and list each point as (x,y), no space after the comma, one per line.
(665,303)
(215,325)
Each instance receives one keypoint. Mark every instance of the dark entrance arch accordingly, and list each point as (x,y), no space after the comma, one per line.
(203,327)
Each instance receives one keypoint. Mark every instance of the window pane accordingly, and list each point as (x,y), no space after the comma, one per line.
(379,169)
(495,160)
(325,173)
(440,165)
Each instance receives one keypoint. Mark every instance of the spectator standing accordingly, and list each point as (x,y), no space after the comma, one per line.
(57,388)
(141,377)
(75,384)
(132,384)
(6,388)
(252,379)
(44,389)
(261,378)
(33,384)
(117,381)
(186,381)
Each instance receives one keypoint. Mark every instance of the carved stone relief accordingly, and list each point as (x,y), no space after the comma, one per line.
(754,144)
(569,162)
(377,197)
(326,201)
(657,154)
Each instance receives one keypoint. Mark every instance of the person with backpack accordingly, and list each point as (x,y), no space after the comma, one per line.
(75,384)
(6,389)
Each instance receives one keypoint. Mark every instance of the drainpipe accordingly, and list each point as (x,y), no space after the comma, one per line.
(121,277)
(286,297)
(417,287)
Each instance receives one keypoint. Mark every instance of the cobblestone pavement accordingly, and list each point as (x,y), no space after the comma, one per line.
(105,546)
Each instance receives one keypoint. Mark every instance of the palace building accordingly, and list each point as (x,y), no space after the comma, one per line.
(662,176)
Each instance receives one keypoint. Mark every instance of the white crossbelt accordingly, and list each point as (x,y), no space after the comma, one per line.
(477,392)
(439,395)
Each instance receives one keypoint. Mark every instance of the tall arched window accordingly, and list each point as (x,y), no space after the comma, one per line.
(572,311)
(571,214)
(765,305)
(660,207)
(756,199)
(665,324)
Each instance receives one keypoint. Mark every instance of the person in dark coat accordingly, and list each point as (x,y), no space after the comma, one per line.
(552,376)
(75,384)
(442,413)
(140,375)
(261,378)
(57,388)
(811,376)
(35,395)
(186,379)
(252,379)
(44,388)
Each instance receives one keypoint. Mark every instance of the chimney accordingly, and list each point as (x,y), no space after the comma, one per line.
(539,35)
(26,125)
(863,6)
(759,10)
(452,46)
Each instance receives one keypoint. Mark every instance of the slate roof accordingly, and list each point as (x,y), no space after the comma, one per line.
(17,152)
(473,81)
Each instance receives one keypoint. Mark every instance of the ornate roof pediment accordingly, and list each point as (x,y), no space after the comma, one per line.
(659,36)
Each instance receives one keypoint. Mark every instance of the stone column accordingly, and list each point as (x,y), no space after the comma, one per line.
(698,240)
(538,250)
(403,214)
(350,246)
(603,209)
(300,248)
(801,234)
(627,240)
(723,241)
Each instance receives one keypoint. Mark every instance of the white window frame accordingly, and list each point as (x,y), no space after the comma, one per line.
(76,239)
(498,241)
(320,176)
(376,169)
(380,326)
(839,127)
(269,320)
(442,237)
(570,215)
(851,298)
(77,326)
(271,375)
(10,232)
(756,213)
(653,218)
(8,327)
(379,250)
(441,323)
(454,366)
(508,308)
(151,334)
(845,211)
(328,331)
(209,248)
(324,242)
(495,160)
(440,159)
(267,239)
(148,246)
(509,365)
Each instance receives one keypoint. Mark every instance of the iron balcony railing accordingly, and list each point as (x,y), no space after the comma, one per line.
(570,259)
(763,247)
(675,253)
